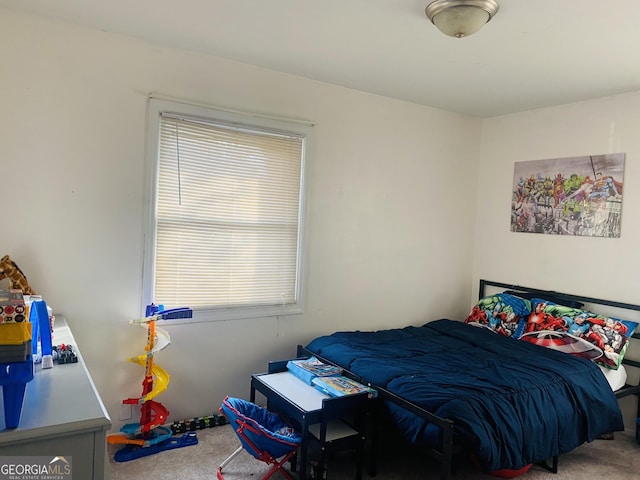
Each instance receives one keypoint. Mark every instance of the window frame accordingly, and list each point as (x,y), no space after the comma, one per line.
(155,108)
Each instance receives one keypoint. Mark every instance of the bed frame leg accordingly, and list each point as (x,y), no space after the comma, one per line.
(553,468)
(445,471)
(446,461)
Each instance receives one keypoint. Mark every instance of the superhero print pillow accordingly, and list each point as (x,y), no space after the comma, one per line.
(501,313)
(601,339)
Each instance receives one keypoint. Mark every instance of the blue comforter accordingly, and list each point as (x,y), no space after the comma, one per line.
(513,403)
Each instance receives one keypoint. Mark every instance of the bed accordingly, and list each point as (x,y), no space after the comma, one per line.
(511,385)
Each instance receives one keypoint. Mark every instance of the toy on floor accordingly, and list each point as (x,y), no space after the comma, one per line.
(150,435)
(198,423)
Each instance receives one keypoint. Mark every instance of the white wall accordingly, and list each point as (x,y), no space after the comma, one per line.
(391,211)
(597,267)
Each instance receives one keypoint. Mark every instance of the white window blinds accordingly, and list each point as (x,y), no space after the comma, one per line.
(228,203)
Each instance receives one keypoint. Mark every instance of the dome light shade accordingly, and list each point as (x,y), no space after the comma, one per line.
(461,18)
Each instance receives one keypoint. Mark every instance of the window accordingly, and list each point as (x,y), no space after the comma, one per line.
(224,235)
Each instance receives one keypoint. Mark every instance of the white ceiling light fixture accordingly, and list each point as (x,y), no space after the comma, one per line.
(461,18)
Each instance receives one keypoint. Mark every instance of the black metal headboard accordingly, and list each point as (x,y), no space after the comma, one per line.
(565,296)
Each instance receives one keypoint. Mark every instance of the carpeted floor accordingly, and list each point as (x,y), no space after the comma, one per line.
(617,459)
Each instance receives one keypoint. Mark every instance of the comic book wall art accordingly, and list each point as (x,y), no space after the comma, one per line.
(569,196)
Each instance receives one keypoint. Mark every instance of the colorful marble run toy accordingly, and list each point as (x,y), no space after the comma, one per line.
(24,329)
(150,435)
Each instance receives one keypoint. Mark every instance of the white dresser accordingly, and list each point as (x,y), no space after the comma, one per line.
(62,415)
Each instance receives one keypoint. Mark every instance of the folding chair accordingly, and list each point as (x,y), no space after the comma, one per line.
(262,433)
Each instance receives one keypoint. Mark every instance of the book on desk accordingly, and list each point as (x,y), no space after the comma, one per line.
(340,386)
(326,378)
(309,368)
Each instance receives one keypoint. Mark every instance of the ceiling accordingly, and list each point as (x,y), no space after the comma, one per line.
(533,54)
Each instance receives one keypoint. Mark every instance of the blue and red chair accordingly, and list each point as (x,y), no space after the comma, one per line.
(262,433)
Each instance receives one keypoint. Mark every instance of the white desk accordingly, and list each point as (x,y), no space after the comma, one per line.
(305,405)
(62,415)
(289,386)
